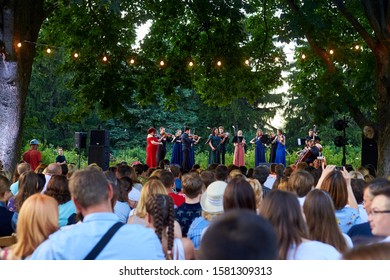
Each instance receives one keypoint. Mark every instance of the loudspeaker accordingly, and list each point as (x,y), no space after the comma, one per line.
(80,140)
(99,155)
(100,138)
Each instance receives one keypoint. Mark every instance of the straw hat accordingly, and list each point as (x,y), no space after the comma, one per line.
(212,200)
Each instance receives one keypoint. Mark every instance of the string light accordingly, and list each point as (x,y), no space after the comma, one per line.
(76,55)
(357,47)
(48,50)
(19,45)
(247,62)
(132,61)
(105,59)
(219,63)
(303,56)
(190,64)
(331,52)
(162,63)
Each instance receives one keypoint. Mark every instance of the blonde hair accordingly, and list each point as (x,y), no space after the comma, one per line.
(258,189)
(151,187)
(38,218)
(234,173)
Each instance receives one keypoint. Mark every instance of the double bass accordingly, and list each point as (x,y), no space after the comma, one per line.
(303,156)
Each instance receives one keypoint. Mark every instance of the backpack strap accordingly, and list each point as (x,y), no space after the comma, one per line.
(103,241)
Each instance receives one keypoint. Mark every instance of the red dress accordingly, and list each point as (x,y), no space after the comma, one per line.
(151,152)
(239,154)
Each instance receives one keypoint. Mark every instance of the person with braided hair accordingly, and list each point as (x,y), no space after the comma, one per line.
(161,217)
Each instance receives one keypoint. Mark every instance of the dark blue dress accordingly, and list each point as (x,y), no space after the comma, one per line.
(177,156)
(259,152)
(280,153)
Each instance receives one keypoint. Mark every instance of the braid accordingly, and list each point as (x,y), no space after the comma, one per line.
(161,208)
(171,226)
(158,219)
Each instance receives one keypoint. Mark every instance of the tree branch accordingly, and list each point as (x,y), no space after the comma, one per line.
(320,52)
(356,24)
(369,9)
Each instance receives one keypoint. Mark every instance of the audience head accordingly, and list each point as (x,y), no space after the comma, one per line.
(89,187)
(38,218)
(123,170)
(151,187)
(379,216)
(192,185)
(250,237)
(376,251)
(58,188)
(239,194)
(28,185)
(167,179)
(335,184)
(300,182)
(258,190)
(22,167)
(207,177)
(125,186)
(261,173)
(53,169)
(377,184)
(221,172)
(212,199)
(5,192)
(321,220)
(282,209)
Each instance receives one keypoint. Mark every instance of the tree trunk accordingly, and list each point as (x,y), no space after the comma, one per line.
(20,22)
(382,55)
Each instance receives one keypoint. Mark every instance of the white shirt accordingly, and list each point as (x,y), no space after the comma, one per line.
(313,250)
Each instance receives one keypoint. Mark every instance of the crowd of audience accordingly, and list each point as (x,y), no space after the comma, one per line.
(131,211)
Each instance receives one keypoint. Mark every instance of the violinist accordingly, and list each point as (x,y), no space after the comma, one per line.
(162,149)
(186,143)
(222,145)
(177,156)
(152,146)
(239,149)
(280,139)
(194,140)
(260,149)
(214,142)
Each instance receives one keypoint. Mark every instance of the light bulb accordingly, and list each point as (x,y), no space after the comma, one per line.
(219,63)
(247,61)
(105,58)
(132,61)
(48,50)
(75,55)
(191,64)
(162,63)
(331,52)
(303,56)
(19,45)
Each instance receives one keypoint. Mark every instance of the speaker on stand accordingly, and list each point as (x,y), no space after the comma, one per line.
(99,150)
(80,142)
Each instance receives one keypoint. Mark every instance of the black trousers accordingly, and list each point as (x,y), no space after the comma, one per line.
(186,161)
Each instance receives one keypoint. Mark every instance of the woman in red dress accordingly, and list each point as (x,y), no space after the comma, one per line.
(151,148)
(239,149)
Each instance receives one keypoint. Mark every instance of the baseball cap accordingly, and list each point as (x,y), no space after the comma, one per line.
(34,142)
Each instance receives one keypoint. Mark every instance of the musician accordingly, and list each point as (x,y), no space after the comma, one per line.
(194,140)
(260,149)
(162,149)
(274,146)
(177,155)
(214,142)
(280,156)
(151,149)
(314,152)
(312,135)
(222,145)
(186,143)
(239,149)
